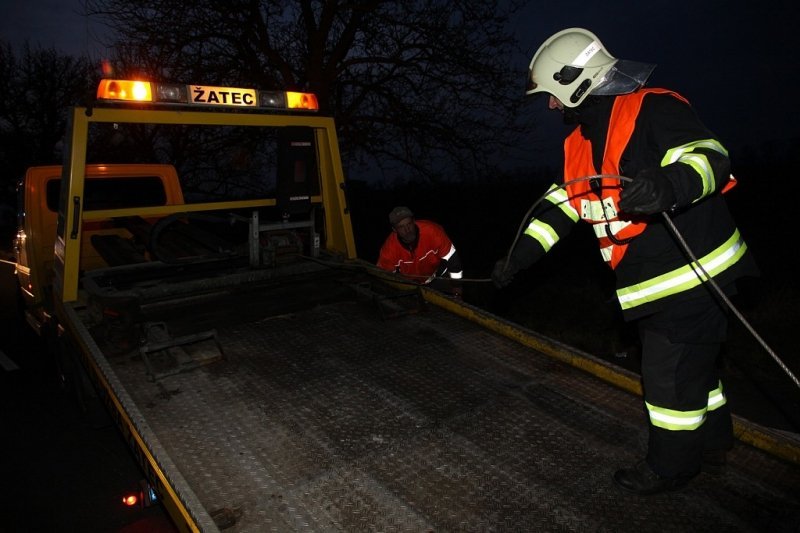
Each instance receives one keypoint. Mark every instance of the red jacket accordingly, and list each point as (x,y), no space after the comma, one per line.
(419,264)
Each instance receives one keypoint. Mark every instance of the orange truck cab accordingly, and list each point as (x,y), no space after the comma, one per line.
(111,186)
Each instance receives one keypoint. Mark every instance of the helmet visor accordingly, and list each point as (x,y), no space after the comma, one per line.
(623,78)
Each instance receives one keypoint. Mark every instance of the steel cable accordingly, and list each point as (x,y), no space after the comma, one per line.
(696,266)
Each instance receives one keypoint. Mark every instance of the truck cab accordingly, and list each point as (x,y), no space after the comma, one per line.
(106,186)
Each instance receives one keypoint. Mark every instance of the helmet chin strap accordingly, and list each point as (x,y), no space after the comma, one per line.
(572,115)
(576,115)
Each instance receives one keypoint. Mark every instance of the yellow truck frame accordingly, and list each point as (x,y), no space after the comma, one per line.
(338,228)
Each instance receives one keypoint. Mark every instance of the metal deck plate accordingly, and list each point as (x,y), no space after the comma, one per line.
(332,419)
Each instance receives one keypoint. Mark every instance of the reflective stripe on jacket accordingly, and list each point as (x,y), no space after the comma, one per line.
(686,277)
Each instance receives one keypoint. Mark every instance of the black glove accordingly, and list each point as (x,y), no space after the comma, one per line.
(503,274)
(650,192)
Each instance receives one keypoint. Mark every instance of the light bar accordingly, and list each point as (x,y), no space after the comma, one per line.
(203,95)
(125,90)
(301,100)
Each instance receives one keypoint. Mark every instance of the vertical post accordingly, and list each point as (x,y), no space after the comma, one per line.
(255,247)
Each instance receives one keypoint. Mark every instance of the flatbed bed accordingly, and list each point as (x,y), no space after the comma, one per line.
(325,413)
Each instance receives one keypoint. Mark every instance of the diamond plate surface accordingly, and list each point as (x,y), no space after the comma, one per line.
(331,419)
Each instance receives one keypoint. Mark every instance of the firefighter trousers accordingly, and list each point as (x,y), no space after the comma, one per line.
(684,399)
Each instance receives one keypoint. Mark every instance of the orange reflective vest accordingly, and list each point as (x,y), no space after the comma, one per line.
(602,211)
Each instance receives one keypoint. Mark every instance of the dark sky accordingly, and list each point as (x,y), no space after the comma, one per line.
(736,62)
(48,23)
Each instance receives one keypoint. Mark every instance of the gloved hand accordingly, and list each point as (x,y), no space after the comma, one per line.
(650,192)
(502,274)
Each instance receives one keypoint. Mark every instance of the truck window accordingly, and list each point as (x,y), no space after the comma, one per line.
(114,193)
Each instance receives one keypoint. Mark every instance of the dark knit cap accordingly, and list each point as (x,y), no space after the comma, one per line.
(398,214)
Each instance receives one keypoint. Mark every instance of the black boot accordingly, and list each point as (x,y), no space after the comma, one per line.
(642,480)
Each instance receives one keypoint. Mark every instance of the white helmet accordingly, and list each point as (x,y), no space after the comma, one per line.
(573,63)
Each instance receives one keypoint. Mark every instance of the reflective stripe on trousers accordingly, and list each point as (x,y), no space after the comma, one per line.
(685,403)
(675,420)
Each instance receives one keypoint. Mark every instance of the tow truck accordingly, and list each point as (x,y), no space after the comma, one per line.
(268,379)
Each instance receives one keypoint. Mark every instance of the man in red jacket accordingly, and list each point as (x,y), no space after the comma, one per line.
(419,250)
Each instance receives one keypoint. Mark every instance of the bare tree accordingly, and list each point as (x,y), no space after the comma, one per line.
(38,86)
(418,87)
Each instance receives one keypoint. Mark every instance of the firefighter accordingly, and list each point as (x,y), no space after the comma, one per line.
(677,165)
(421,251)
